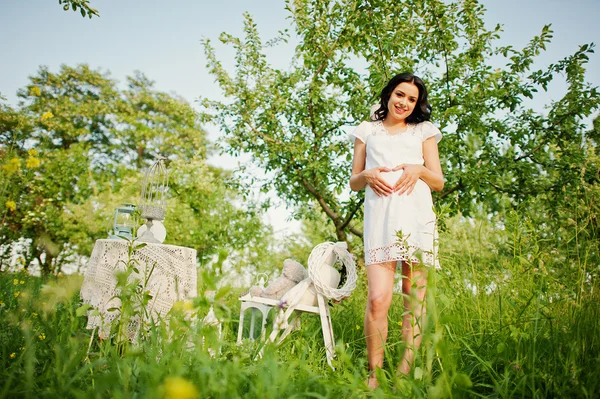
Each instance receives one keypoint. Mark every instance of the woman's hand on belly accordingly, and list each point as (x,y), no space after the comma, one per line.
(377,182)
(406,183)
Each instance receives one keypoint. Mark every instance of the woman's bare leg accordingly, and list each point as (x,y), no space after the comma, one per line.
(414,286)
(381,288)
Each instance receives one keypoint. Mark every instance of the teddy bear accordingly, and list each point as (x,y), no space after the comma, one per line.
(291,274)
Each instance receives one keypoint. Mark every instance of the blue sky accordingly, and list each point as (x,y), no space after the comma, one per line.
(162,38)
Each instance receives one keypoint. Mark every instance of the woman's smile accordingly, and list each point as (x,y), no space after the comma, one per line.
(403,100)
(401,109)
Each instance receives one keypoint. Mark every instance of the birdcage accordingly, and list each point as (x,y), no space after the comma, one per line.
(153,203)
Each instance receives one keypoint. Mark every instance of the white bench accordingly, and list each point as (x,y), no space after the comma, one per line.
(264,306)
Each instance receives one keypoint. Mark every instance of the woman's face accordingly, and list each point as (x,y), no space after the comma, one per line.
(402,101)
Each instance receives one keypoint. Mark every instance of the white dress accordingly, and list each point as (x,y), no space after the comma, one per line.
(409,216)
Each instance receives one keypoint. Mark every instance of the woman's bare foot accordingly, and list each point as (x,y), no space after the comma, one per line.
(404,368)
(372,381)
(407,361)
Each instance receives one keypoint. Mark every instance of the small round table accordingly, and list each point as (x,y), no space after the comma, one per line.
(173,278)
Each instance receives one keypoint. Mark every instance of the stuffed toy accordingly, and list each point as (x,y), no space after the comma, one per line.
(292,273)
(326,273)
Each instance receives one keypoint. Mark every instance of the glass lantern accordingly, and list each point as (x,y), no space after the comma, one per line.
(123,222)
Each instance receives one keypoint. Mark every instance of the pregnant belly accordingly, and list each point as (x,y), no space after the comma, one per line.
(421,190)
(391,178)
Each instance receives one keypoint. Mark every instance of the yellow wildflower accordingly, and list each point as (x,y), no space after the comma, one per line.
(183,306)
(357,327)
(11,206)
(179,388)
(12,355)
(35,315)
(32,152)
(22,348)
(47,115)
(21,282)
(14,165)
(1,303)
(32,163)
(42,336)
(17,293)
(35,91)
(15,282)
(400,323)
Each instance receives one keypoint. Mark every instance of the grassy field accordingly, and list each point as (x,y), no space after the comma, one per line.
(510,314)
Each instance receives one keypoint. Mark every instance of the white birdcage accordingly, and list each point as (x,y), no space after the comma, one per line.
(153,203)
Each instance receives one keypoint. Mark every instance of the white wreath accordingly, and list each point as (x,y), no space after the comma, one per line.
(320,256)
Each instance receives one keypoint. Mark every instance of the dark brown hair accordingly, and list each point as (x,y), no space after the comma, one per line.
(422,110)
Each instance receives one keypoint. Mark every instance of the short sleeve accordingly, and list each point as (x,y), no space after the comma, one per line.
(361,132)
(428,130)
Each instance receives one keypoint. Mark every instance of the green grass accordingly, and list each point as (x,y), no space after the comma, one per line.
(512,314)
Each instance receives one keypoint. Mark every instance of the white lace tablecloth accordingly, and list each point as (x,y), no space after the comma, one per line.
(173,279)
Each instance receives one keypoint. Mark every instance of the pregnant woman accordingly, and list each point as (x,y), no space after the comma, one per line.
(396,160)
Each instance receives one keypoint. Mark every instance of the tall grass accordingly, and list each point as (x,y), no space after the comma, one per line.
(512,313)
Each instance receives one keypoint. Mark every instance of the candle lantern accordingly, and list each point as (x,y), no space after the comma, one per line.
(153,203)
(123,222)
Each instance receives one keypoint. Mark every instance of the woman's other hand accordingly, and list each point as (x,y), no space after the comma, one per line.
(376,182)
(406,183)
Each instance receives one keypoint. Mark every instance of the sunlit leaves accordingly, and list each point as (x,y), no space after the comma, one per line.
(79,5)
(495,146)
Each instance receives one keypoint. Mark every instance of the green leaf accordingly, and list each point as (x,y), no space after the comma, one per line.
(500,347)
(463,381)
(139,246)
(82,310)
(222,292)
(418,373)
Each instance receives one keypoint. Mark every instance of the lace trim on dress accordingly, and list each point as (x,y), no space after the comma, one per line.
(410,130)
(396,252)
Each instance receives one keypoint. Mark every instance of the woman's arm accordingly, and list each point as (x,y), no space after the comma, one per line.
(361,177)
(430,173)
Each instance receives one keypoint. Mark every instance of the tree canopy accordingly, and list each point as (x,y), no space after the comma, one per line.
(76,146)
(497,151)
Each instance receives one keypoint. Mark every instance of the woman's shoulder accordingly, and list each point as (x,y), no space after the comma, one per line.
(427,129)
(367,124)
(426,125)
(367,127)
(362,131)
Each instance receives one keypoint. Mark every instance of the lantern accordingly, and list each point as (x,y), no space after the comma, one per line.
(153,203)
(123,222)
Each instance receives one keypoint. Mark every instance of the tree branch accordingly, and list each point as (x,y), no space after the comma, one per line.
(437,23)
(450,191)
(266,138)
(530,153)
(335,218)
(351,215)
(357,233)
(326,132)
